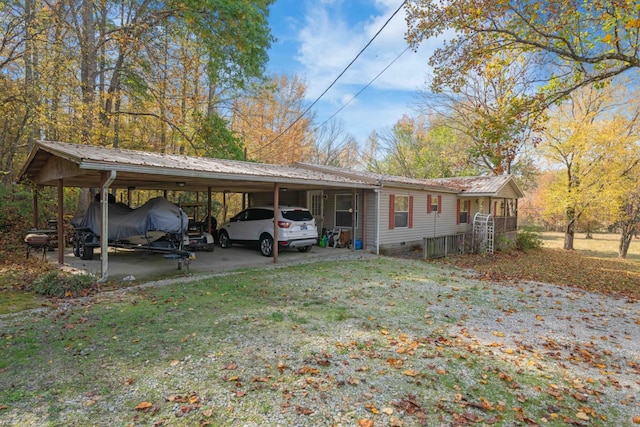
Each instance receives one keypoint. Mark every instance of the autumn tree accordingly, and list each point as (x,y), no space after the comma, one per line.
(334,146)
(492,111)
(625,209)
(593,147)
(135,74)
(576,42)
(268,120)
(418,147)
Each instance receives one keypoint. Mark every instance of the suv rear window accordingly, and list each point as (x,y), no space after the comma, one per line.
(297,215)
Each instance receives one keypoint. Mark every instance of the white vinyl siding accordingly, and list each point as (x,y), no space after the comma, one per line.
(424,225)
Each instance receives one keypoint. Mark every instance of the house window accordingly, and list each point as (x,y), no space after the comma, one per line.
(434,204)
(345,210)
(463,212)
(401,211)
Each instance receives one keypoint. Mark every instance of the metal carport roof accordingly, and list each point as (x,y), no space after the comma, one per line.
(84,165)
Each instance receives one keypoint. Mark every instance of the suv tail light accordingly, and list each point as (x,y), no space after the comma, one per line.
(284,224)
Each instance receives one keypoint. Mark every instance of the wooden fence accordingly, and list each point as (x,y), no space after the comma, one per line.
(440,247)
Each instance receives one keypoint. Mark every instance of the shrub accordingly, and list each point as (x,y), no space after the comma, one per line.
(505,244)
(528,238)
(60,284)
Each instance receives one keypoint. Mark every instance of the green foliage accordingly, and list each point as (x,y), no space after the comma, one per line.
(60,284)
(529,238)
(235,34)
(505,244)
(216,140)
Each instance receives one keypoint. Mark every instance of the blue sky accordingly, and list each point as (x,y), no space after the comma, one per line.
(316,39)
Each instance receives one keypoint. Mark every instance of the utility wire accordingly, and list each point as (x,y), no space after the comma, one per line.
(362,90)
(334,81)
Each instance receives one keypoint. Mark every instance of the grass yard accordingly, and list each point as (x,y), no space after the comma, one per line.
(593,265)
(602,245)
(382,341)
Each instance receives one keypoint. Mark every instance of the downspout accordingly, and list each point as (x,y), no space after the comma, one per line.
(104,226)
(377,191)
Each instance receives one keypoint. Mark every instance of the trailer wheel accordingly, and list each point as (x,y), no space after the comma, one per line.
(85,252)
(76,246)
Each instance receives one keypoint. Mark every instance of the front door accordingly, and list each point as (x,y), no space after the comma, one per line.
(315,204)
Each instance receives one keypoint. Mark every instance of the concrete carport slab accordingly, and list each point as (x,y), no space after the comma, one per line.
(127,265)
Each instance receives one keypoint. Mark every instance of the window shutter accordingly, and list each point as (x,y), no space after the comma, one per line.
(439,204)
(392,213)
(428,203)
(410,211)
(458,212)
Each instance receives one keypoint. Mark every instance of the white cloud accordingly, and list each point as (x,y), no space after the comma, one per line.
(330,39)
(326,36)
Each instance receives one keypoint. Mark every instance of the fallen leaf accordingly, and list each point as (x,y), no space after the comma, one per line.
(365,422)
(410,373)
(143,406)
(303,411)
(371,407)
(582,416)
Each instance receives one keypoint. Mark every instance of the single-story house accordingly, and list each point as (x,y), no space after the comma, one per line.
(399,212)
(382,213)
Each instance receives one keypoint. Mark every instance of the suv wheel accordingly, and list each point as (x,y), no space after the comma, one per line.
(266,245)
(223,238)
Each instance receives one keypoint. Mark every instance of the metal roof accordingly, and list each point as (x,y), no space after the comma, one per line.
(83,166)
(477,186)
(472,186)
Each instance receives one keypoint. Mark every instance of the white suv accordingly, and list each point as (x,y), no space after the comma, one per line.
(297,229)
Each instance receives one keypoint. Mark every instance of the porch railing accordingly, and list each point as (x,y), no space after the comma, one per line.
(505,223)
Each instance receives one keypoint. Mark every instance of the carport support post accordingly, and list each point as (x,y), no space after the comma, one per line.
(36,190)
(276,215)
(60,223)
(209,230)
(104,223)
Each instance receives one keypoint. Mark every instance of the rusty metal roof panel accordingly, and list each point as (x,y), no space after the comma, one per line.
(472,186)
(101,158)
(384,179)
(480,185)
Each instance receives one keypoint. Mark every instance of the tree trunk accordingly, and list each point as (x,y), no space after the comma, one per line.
(626,234)
(588,235)
(568,236)
(570,230)
(88,68)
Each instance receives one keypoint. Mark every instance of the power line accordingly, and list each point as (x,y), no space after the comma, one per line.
(363,89)
(336,79)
